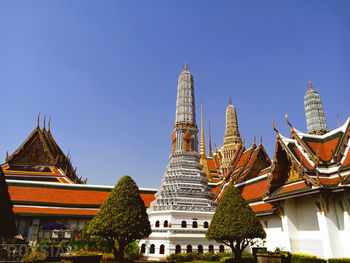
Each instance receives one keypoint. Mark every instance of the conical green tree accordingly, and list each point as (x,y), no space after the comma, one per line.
(122,218)
(7,219)
(234,223)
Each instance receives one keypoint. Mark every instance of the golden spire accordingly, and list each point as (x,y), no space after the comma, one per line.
(185,66)
(202,150)
(309,85)
(230,103)
(210,149)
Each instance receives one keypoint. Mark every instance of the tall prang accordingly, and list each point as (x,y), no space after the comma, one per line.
(184,186)
(232,138)
(315,119)
(184,205)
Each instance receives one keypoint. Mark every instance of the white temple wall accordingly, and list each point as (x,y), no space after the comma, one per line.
(308,239)
(275,237)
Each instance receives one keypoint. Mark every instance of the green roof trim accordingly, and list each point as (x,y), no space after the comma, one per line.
(265,212)
(276,194)
(254,199)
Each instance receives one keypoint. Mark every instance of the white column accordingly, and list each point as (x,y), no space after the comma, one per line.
(285,232)
(346,232)
(331,238)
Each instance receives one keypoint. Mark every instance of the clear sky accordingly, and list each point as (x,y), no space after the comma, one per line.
(106,73)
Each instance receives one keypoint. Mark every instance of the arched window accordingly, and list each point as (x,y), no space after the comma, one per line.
(157,223)
(152,249)
(165,223)
(143,248)
(221,248)
(194,224)
(200,249)
(189,249)
(211,248)
(178,249)
(161,249)
(206,225)
(183,224)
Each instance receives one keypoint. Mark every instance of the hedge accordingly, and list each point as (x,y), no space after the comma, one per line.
(301,258)
(339,260)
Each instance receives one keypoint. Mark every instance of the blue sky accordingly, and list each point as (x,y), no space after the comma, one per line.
(106,73)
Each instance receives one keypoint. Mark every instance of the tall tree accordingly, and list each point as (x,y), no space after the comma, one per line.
(7,218)
(234,223)
(122,218)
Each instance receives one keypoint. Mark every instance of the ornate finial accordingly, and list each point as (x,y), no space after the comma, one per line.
(230,102)
(273,127)
(38,120)
(44,121)
(309,85)
(291,126)
(261,138)
(49,125)
(185,66)
(7,156)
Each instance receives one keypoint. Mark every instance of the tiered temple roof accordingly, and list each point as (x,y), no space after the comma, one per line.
(307,164)
(40,158)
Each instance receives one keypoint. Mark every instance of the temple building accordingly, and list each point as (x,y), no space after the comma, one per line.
(181,213)
(44,188)
(301,196)
(39,158)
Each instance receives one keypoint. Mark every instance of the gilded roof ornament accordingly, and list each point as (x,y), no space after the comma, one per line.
(38,120)
(309,85)
(44,122)
(49,125)
(273,127)
(185,66)
(230,102)
(291,126)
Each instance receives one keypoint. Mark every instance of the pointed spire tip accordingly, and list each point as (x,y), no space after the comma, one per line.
(185,66)
(309,85)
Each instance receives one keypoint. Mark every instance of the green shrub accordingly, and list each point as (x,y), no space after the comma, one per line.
(301,258)
(211,257)
(223,257)
(35,256)
(132,251)
(339,260)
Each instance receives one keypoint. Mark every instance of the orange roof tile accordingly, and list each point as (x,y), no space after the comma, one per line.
(255,190)
(262,207)
(290,188)
(52,195)
(324,149)
(212,165)
(302,158)
(243,158)
(64,196)
(347,160)
(329,181)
